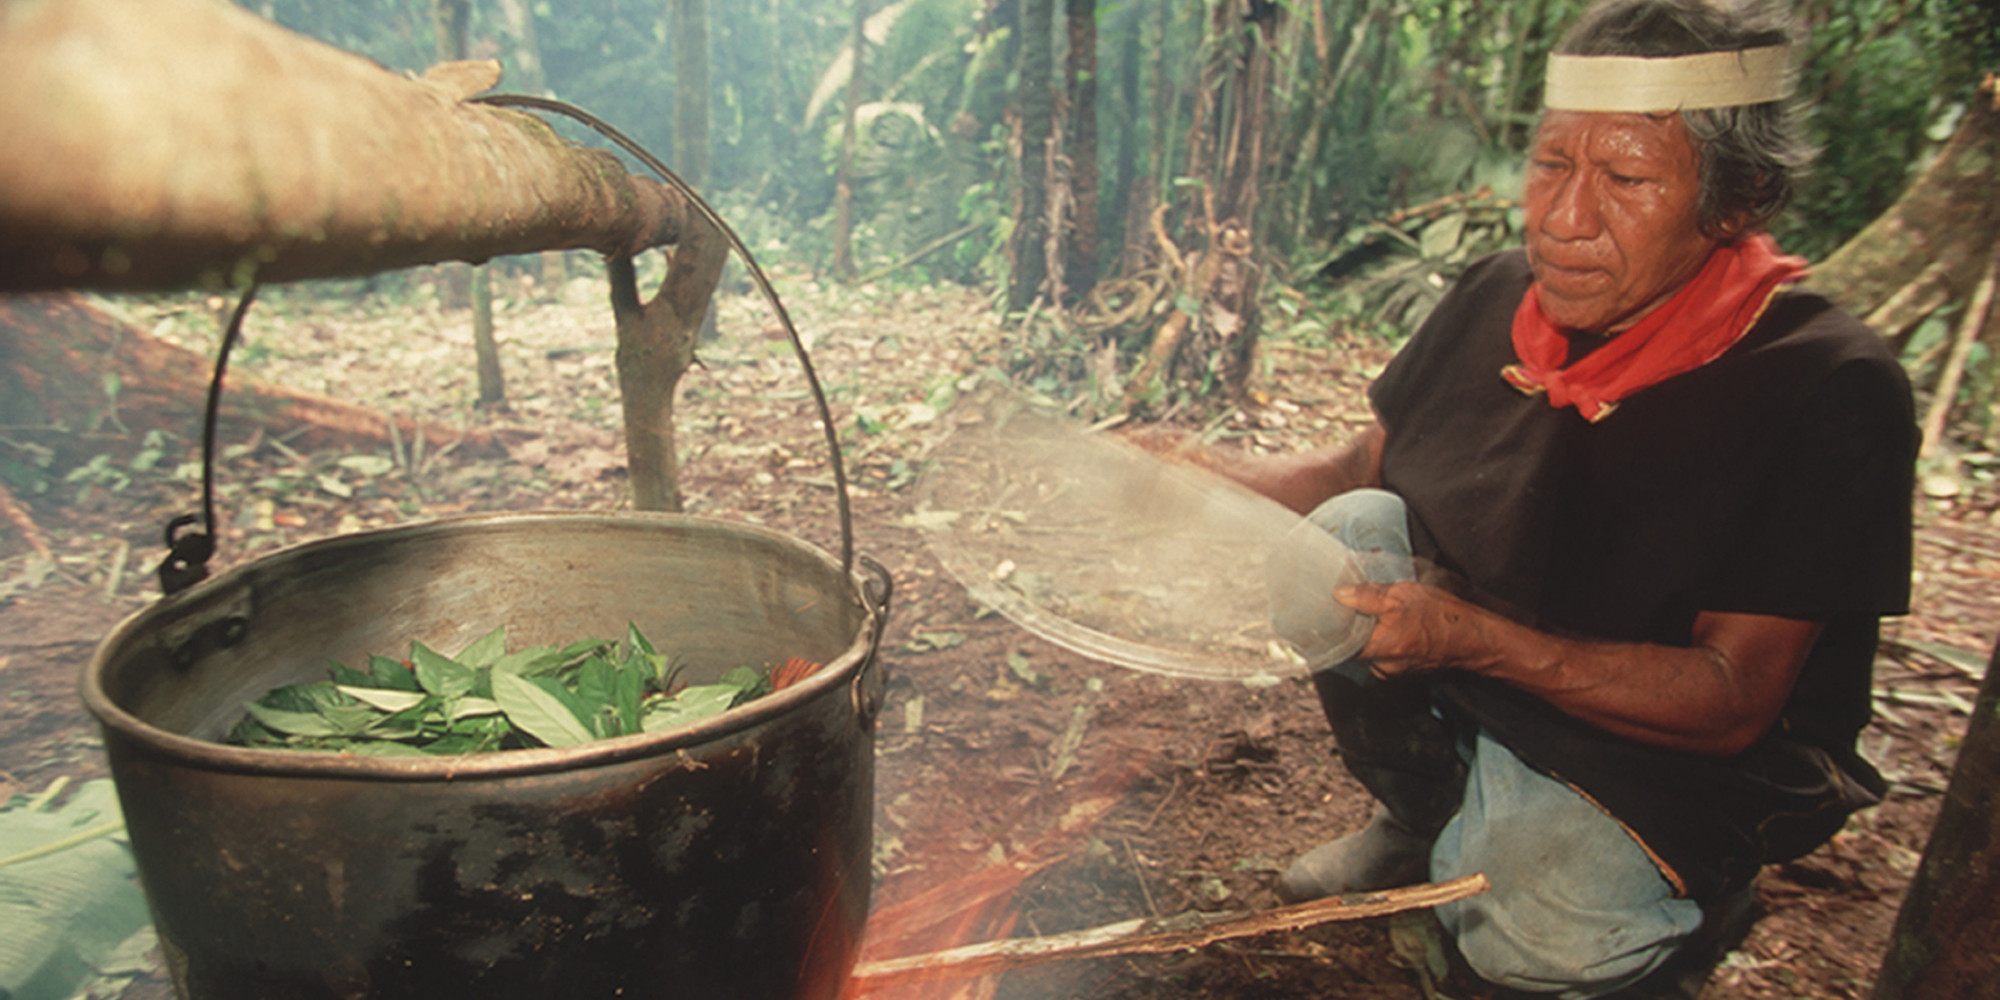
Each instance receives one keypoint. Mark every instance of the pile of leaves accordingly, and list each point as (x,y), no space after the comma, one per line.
(486,699)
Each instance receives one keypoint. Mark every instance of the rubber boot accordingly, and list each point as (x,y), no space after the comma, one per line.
(1383,854)
(1407,758)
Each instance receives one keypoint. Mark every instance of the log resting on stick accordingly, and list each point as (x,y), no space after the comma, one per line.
(154,144)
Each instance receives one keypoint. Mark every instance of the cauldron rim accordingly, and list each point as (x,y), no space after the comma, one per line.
(188,751)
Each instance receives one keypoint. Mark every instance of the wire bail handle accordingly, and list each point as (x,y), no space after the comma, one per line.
(188,553)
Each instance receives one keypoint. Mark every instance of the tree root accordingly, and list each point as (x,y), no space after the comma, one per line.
(18,515)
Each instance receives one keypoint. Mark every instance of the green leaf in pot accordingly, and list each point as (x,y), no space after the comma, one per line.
(538,711)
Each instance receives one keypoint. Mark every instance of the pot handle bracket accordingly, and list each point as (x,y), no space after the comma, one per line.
(871,682)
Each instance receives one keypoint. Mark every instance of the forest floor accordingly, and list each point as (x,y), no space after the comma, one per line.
(992,740)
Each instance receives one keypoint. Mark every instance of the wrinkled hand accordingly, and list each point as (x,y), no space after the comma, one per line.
(1419,629)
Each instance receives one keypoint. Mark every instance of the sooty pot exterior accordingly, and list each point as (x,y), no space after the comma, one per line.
(723,860)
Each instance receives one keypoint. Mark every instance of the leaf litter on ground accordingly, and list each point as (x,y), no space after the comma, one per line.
(488,699)
(72,916)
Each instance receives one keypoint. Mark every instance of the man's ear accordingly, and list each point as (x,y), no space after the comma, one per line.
(1733,226)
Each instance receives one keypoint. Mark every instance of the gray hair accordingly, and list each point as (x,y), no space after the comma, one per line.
(1751,156)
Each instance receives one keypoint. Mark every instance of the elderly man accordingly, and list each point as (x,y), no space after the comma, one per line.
(1630,512)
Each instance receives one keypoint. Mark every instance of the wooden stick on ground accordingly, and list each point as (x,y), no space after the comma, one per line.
(1151,937)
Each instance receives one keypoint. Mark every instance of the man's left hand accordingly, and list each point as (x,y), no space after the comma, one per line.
(1420,628)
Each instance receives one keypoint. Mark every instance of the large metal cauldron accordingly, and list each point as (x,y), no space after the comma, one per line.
(727,859)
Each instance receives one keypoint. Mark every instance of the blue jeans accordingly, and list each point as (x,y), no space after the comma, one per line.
(1577,907)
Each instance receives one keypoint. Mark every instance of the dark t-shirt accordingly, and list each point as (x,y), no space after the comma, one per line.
(1775,480)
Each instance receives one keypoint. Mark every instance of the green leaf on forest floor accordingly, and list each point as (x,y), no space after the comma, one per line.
(69,896)
(934,640)
(368,465)
(1017,661)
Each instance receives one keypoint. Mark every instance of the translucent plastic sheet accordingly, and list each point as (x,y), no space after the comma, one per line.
(1102,548)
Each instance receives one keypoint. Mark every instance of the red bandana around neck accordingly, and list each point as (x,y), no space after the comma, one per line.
(1701,321)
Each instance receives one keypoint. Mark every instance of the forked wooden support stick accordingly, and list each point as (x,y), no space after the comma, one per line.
(1145,936)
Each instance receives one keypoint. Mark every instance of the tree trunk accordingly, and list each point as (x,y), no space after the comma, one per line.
(1165,96)
(485,348)
(843,183)
(691,103)
(1210,337)
(1027,252)
(1005,15)
(690,19)
(656,341)
(527,45)
(333,167)
(1327,84)
(534,80)
(81,382)
(1932,245)
(1140,250)
(452,18)
(1233,319)
(1125,123)
(784,136)
(1942,945)
(1080,256)
(1240,157)
(1514,110)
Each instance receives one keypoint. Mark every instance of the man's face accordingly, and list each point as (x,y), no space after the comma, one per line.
(1611,223)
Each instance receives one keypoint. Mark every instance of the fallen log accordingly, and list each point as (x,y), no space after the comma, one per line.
(176,143)
(1146,936)
(58,353)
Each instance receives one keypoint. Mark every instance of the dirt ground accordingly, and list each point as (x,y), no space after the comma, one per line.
(1041,791)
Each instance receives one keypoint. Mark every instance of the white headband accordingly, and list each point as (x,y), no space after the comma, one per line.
(1674,83)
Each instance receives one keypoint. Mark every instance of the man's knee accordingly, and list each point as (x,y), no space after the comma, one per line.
(1367,521)
(1527,941)
(1576,907)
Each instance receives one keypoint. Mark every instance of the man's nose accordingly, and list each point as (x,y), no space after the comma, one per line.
(1572,213)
